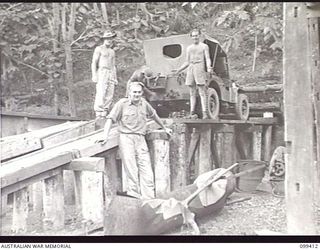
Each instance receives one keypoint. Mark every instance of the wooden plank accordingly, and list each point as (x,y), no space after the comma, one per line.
(73,132)
(20,211)
(95,164)
(298,133)
(20,146)
(53,203)
(17,145)
(44,160)
(313,29)
(49,117)
(205,164)
(13,173)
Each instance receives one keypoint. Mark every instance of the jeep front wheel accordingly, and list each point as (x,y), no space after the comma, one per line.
(242,107)
(213,102)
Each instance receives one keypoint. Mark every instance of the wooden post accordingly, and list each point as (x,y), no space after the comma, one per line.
(20,211)
(69,187)
(89,187)
(225,145)
(53,203)
(313,29)
(159,149)
(205,163)
(256,144)
(111,184)
(4,204)
(298,122)
(36,197)
(178,156)
(267,138)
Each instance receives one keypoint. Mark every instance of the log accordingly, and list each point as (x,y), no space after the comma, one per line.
(178,156)
(273,87)
(159,151)
(266,106)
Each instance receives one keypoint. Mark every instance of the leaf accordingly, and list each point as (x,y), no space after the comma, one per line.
(57,64)
(243,15)
(193,4)
(144,22)
(184,4)
(136,25)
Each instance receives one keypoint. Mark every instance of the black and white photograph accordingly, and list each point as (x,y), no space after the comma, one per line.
(161,119)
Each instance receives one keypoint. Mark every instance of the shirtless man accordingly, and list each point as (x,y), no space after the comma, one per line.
(143,75)
(198,60)
(104,74)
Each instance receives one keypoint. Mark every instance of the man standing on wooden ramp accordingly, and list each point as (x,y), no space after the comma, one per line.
(131,114)
(104,74)
(198,60)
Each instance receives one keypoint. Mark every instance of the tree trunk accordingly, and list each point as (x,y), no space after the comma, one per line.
(105,14)
(68,37)
(96,8)
(55,43)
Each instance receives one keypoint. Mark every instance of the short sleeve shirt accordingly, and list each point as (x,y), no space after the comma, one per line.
(132,118)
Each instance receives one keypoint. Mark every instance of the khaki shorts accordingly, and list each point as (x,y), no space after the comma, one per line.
(196,74)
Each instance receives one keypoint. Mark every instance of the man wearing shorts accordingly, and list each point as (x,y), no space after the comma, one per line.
(198,60)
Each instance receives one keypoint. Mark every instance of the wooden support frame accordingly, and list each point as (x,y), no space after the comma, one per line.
(299,136)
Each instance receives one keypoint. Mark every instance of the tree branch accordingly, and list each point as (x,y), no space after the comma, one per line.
(25,64)
(80,37)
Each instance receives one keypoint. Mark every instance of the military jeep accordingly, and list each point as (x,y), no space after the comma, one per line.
(163,55)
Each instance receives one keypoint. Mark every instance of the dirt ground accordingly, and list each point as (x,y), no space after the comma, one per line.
(260,214)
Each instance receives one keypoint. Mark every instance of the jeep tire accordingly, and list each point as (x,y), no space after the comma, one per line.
(242,107)
(213,103)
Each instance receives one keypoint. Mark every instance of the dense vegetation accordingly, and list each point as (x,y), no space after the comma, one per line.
(46,48)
